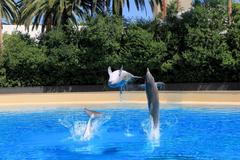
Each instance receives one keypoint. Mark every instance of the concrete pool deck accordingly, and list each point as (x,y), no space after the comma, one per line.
(202,98)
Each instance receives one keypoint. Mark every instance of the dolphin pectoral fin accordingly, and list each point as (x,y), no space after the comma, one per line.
(91,113)
(138,77)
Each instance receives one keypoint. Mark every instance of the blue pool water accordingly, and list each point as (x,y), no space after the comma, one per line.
(185,133)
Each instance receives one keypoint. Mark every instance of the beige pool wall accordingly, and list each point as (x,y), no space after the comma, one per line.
(137,97)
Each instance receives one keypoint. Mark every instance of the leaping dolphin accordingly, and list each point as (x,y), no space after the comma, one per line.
(92,115)
(153,99)
(119,78)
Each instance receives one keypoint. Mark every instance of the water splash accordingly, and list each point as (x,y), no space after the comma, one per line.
(90,128)
(82,130)
(170,122)
(152,133)
(128,133)
(77,130)
(64,122)
(153,136)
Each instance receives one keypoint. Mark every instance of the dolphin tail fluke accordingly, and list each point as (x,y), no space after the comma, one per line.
(91,113)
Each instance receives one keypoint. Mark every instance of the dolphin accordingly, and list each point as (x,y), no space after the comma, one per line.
(88,130)
(152,98)
(119,78)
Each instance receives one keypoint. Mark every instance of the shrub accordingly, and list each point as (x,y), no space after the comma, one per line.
(139,51)
(23,61)
(198,46)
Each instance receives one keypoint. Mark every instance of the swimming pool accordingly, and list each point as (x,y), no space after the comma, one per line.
(122,133)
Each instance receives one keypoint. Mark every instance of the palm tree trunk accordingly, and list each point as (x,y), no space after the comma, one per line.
(93,8)
(178,5)
(105,6)
(229,11)
(164,9)
(105,10)
(1,35)
(120,8)
(117,6)
(156,8)
(49,23)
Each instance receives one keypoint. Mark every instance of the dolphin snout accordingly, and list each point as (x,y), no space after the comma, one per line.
(110,82)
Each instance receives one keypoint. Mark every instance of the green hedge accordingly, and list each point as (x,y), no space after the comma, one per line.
(190,48)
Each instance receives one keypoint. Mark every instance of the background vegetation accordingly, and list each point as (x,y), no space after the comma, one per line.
(197,46)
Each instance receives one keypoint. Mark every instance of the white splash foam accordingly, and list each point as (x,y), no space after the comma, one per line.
(82,130)
(89,130)
(151,132)
(77,130)
(153,135)
(127,133)
(64,122)
(154,131)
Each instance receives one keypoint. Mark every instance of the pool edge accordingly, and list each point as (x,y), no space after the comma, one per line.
(202,98)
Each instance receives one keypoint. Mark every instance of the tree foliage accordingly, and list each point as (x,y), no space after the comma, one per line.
(55,12)
(196,46)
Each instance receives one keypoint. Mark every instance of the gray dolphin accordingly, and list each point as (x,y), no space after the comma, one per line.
(153,99)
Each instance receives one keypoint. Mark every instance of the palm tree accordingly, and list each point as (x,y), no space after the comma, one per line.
(178,5)
(229,11)
(8,11)
(159,6)
(156,6)
(117,5)
(56,12)
(93,7)
(164,8)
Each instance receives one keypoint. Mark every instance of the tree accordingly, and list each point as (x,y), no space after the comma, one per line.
(164,8)
(159,6)
(8,11)
(117,5)
(178,5)
(140,50)
(156,7)
(229,11)
(56,12)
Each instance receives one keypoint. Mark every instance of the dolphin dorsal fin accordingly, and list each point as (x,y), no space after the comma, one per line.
(120,71)
(91,113)
(148,70)
(109,70)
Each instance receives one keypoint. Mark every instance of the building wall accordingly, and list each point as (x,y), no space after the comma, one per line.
(185,4)
(9,29)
